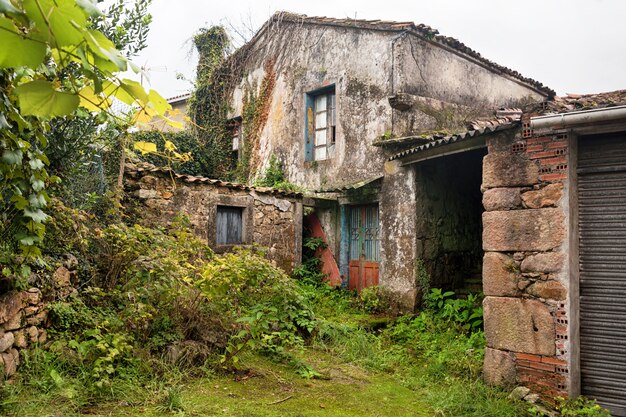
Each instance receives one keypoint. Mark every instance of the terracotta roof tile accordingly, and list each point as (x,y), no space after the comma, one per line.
(146,167)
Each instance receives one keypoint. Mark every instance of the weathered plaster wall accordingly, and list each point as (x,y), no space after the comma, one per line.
(430,71)
(449,227)
(271,221)
(366,67)
(525,269)
(397,234)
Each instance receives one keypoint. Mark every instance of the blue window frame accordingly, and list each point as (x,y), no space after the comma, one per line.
(320,125)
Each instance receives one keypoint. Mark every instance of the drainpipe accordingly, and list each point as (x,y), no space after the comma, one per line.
(564,120)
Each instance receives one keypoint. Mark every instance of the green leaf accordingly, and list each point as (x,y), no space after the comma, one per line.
(39,98)
(37,200)
(103,48)
(12,157)
(36,164)
(18,50)
(60,20)
(27,240)
(37,215)
(19,201)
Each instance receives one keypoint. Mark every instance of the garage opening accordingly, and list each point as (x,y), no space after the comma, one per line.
(449,226)
(602,246)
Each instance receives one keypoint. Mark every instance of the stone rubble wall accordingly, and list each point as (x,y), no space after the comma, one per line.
(24,317)
(276,220)
(525,265)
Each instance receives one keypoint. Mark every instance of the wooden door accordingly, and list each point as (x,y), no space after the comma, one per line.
(364,247)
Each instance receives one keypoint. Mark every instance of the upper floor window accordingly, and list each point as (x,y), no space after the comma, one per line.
(321,124)
(236,130)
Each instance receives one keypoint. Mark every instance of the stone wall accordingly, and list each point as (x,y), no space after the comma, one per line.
(24,316)
(449,219)
(525,268)
(271,219)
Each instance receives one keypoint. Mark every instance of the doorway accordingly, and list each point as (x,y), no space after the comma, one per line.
(364,262)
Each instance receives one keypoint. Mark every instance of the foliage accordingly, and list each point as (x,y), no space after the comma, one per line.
(467,312)
(580,407)
(274,177)
(126,25)
(261,298)
(209,104)
(186,143)
(310,270)
(375,299)
(57,63)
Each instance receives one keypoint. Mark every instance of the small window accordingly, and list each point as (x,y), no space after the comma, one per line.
(320,124)
(236,131)
(229,225)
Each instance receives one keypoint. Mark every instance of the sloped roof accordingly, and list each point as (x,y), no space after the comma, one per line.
(421,30)
(509,118)
(574,102)
(142,167)
(437,142)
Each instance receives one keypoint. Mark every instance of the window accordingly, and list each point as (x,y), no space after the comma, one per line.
(320,124)
(229,225)
(236,131)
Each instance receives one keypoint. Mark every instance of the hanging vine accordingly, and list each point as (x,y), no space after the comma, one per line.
(218,75)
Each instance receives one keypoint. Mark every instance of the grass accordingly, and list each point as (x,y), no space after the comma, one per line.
(357,364)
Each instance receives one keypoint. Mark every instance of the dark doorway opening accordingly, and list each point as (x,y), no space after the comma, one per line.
(449,220)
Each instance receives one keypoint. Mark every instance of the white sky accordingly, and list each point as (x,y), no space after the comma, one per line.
(572,46)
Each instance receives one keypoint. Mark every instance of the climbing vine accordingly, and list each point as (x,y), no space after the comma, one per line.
(219,73)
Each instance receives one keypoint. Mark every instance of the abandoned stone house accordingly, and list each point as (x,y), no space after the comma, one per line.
(391,128)
(341,96)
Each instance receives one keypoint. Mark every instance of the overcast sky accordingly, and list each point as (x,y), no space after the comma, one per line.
(572,46)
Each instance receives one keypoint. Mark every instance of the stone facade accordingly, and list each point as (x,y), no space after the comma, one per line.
(24,316)
(413,81)
(525,271)
(271,219)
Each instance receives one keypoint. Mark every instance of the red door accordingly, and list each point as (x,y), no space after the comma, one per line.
(364,247)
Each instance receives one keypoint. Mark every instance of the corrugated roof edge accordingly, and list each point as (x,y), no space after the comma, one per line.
(435,143)
(190,179)
(421,30)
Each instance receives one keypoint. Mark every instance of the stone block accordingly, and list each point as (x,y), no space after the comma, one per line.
(20,339)
(519,325)
(43,336)
(523,230)
(11,360)
(14,322)
(38,319)
(502,199)
(29,311)
(62,277)
(552,290)
(144,194)
(6,341)
(33,334)
(508,170)
(33,296)
(499,368)
(545,197)
(544,262)
(10,304)
(499,275)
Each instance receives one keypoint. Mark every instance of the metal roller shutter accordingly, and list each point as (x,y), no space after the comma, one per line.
(602,231)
